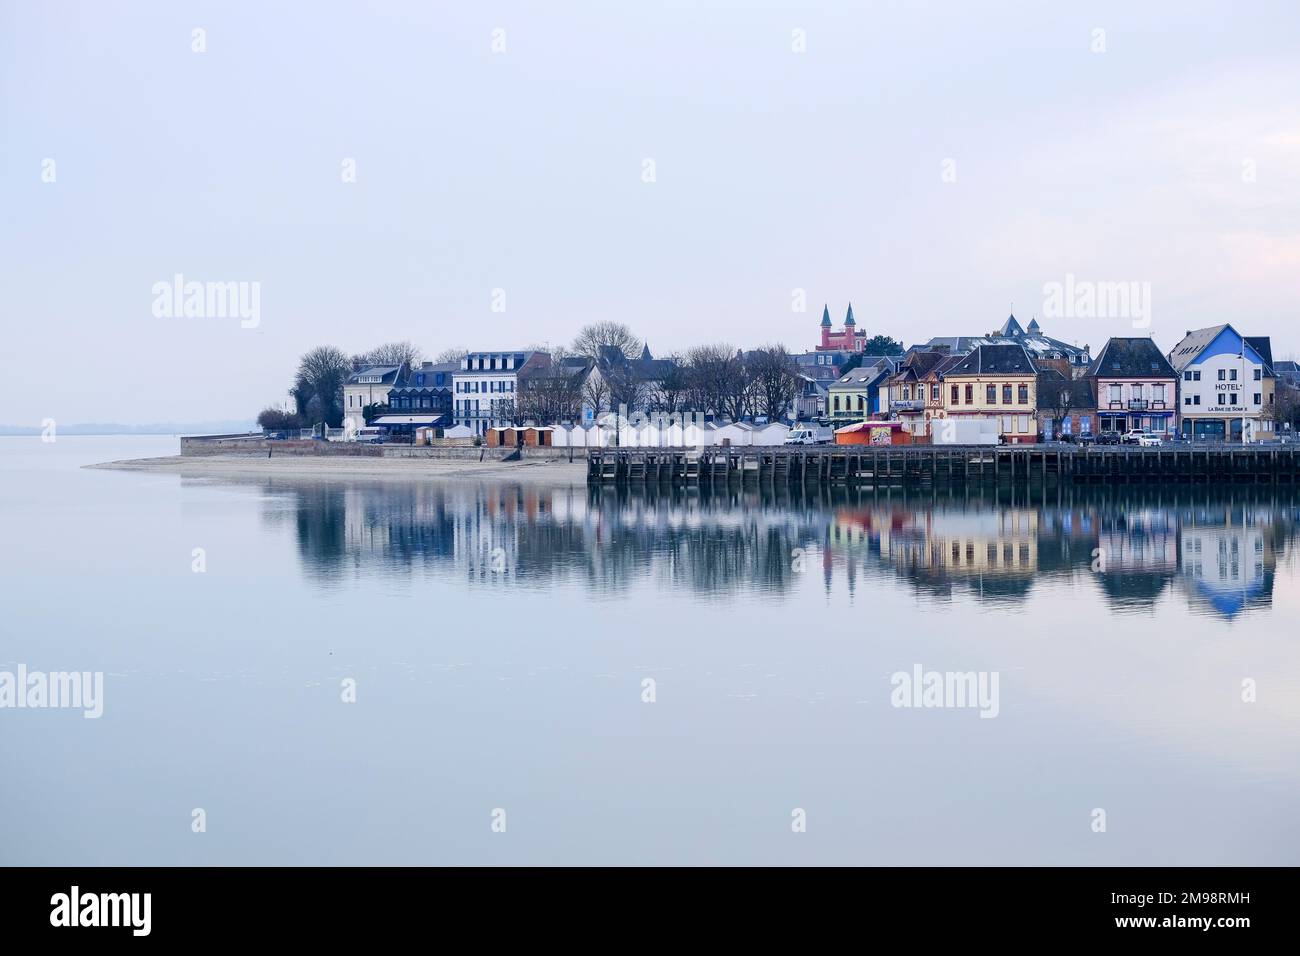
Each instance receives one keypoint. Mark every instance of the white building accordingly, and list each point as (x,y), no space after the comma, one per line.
(485,390)
(1225,385)
(370,386)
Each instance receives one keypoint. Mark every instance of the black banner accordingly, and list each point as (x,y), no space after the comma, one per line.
(366,905)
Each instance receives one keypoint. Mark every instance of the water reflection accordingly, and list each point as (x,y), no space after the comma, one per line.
(1216,549)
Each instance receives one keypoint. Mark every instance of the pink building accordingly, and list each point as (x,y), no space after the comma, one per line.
(851,339)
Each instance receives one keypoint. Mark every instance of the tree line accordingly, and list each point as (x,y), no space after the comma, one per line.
(717,379)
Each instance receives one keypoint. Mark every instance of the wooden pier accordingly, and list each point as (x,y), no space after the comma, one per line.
(919,464)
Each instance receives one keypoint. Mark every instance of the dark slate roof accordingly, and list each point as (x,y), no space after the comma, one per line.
(1011,327)
(995,360)
(1264,346)
(826,316)
(1050,385)
(388,373)
(1137,357)
(848,319)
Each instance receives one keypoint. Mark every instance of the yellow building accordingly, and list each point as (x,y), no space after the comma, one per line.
(997,383)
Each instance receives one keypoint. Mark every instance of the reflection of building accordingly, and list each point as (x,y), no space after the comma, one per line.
(1131,546)
(1228,561)
(1128,545)
(993,551)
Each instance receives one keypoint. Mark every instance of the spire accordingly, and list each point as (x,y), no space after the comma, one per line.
(826,317)
(848,319)
(645,353)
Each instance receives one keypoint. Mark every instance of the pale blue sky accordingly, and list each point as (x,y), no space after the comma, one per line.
(523,171)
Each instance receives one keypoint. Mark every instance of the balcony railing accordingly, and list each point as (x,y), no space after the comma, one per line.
(1139,405)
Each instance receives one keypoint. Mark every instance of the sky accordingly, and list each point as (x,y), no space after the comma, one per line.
(496,175)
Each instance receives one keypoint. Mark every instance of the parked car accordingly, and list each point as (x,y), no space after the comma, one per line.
(1132,436)
(1086,438)
(1149,440)
(1108,438)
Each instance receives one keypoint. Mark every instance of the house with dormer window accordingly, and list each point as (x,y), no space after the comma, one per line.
(364,387)
(1135,387)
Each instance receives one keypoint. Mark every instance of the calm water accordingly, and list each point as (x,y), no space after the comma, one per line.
(499,640)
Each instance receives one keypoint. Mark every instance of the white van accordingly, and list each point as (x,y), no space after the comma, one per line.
(808,435)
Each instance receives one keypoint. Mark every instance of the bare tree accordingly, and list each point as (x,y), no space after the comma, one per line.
(596,392)
(450,355)
(393,353)
(668,392)
(717,380)
(627,389)
(552,394)
(318,386)
(592,339)
(775,380)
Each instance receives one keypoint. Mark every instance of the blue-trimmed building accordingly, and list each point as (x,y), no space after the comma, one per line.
(1225,385)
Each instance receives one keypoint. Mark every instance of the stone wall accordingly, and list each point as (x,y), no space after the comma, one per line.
(260,447)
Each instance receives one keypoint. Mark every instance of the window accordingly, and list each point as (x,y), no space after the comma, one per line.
(1196,376)
(934,393)
(1006,424)
(991,394)
(1232,399)
(955,400)
(861,403)
(1187,376)
(1158,393)
(970,394)
(1256,399)
(1232,374)
(1006,394)
(1116,393)
(1137,390)
(1259,374)
(1222,374)
(1187,400)
(1024,424)
(837,403)
(1223,400)
(1023,398)
(1196,399)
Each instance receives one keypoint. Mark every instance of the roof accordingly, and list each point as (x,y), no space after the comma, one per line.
(863,426)
(1137,357)
(862,378)
(942,369)
(407,420)
(1010,327)
(387,374)
(1051,384)
(995,359)
(1264,346)
(1194,343)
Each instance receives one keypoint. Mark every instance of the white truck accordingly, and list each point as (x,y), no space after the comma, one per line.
(809,433)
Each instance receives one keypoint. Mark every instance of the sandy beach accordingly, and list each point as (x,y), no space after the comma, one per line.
(549,472)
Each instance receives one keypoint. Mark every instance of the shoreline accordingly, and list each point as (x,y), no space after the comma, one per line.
(551,472)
